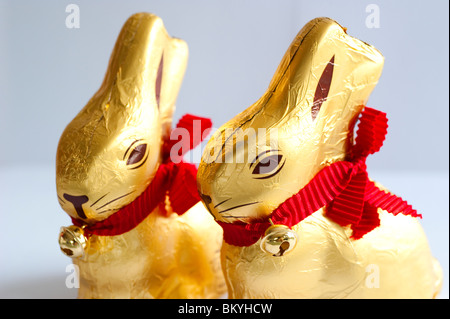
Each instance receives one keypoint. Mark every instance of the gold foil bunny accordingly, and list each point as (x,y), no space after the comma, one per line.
(109,156)
(260,161)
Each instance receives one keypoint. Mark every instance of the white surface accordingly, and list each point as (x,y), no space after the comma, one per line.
(32,266)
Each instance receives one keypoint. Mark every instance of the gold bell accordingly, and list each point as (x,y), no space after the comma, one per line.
(278,240)
(72,241)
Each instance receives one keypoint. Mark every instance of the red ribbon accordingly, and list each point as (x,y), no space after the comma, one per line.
(178,180)
(344,187)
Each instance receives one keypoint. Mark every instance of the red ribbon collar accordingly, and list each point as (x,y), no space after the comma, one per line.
(178,180)
(343,187)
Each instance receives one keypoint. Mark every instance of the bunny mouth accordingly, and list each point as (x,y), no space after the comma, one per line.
(234,207)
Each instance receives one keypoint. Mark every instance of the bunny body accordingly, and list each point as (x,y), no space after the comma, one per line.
(307,115)
(327,263)
(110,153)
(163,257)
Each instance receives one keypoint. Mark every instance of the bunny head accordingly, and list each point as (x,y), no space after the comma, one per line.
(303,122)
(109,152)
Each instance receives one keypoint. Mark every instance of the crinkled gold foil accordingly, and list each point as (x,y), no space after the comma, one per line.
(96,174)
(301,135)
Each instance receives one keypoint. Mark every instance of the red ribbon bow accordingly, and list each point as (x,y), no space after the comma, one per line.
(178,180)
(344,187)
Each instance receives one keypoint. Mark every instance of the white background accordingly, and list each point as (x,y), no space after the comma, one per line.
(48,72)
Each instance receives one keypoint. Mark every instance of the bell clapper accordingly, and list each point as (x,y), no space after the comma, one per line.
(278,240)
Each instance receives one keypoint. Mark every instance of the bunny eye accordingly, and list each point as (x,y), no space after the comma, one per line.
(267,164)
(137,154)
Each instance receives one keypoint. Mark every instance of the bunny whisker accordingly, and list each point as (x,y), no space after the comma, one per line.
(61,200)
(222,202)
(228,209)
(98,199)
(115,199)
(230,216)
(104,211)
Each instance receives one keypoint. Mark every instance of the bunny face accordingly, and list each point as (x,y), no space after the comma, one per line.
(97,178)
(304,121)
(110,151)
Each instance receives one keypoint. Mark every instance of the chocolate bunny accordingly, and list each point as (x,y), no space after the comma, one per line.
(287,182)
(139,229)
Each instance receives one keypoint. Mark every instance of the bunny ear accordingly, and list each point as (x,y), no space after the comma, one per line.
(322,89)
(324,69)
(158,81)
(145,70)
(135,62)
(170,76)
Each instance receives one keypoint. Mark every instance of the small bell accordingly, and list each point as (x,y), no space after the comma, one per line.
(278,240)
(72,241)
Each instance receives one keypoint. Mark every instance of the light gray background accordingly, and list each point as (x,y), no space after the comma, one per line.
(48,72)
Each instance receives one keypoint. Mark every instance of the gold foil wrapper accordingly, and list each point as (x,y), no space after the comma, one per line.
(173,257)
(108,155)
(267,153)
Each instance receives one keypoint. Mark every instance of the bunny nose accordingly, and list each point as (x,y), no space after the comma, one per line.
(77,202)
(206,198)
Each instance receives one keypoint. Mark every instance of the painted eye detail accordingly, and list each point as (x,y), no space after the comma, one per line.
(136,155)
(267,166)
